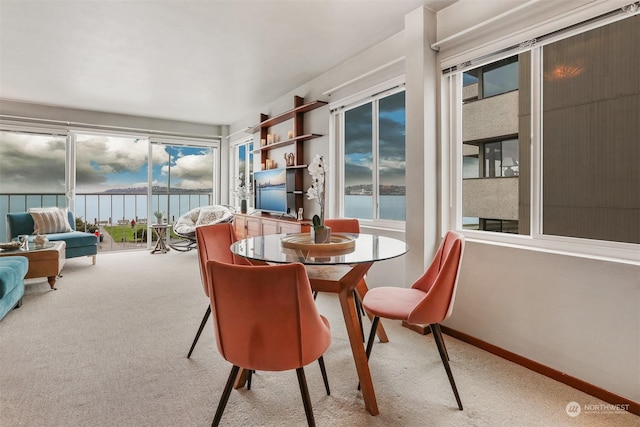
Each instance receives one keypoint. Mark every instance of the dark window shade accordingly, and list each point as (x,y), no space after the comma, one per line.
(591,134)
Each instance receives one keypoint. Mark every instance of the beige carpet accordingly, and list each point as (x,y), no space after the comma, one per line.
(108,348)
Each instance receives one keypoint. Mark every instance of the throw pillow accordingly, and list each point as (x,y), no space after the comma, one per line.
(50,220)
(210,215)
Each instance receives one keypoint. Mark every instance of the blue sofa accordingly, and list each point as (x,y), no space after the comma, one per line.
(78,243)
(12,272)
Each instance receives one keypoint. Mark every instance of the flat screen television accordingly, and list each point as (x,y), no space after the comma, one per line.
(270,188)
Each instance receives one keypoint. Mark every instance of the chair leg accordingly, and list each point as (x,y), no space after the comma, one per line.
(359,311)
(204,322)
(225,396)
(324,375)
(372,337)
(302,381)
(249,376)
(437,337)
(437,330)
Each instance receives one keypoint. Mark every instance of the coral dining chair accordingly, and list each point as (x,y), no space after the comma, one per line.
(213,242)
(429,300)
(265,319)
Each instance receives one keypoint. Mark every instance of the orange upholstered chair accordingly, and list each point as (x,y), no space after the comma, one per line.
(347,225)
(429,300)
(343,225)
(213,243)
(265,319)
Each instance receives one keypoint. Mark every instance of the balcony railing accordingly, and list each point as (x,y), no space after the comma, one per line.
(120,218)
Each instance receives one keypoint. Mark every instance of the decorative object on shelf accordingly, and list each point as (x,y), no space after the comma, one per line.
(269,139)
(300,218)
(290,134)
(290,159)
(158,215)
(263,142)
(40,240)
(317,169)
(243,191)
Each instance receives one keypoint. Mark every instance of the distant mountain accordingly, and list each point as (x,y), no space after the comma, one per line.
(367,190)
(156,190)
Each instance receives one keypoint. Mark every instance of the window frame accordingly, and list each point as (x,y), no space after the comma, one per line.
(452,155)
(337,123)
(234,146)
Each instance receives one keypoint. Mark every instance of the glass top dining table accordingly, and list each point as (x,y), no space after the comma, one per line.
(367,248)
(338,271)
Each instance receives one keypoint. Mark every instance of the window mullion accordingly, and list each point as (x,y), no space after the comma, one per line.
(375,144)
(536,142)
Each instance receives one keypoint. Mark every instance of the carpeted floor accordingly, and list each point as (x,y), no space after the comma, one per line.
(108,348)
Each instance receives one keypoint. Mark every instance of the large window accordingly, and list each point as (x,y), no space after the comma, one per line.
(112,182)
(32,172)
(373,143)
(591,134)
(549,140)
(490,129)
(493,79)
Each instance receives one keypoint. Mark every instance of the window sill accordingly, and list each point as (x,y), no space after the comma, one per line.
(625,253)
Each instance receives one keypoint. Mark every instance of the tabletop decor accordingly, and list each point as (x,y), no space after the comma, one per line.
(320,233)
(302,241)
(40,241)
(10,246)
(158,215)
(243,191)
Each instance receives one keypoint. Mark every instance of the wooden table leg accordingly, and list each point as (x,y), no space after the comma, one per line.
(241,379)
(52,282)
(355,336)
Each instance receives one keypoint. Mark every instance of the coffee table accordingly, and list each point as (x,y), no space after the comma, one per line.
(46,261)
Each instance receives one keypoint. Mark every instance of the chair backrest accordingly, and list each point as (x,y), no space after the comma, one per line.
(265,317)
(213,244)
(440,282)
(343,225)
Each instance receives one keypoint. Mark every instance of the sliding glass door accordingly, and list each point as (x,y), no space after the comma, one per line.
(182,177)
(112,182)
(111,188)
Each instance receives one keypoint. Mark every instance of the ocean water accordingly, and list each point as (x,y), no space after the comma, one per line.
(130,206)
(272,199)
(391,207)
(105,207)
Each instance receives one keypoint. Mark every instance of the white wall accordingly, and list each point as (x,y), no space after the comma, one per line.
(576,315)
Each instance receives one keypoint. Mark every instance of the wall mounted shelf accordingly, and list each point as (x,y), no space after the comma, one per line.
(299,109)
(296,137)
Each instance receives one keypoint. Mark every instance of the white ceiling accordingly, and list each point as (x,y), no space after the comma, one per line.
(194,60)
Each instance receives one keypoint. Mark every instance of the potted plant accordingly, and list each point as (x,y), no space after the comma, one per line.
(320,233)
(158,214)
(243,191)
